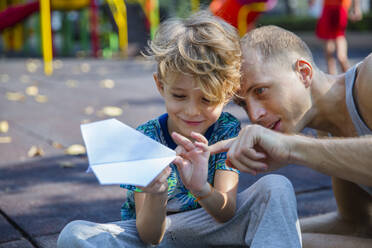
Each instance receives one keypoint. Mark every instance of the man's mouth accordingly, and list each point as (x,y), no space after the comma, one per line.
(275,125)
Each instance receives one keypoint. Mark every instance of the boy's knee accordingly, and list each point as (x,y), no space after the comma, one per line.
(276,186)
(70,233)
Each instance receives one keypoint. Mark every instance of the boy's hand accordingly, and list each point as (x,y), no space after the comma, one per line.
(192,162)
(160,184)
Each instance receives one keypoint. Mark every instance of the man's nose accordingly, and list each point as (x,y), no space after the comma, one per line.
(256,111)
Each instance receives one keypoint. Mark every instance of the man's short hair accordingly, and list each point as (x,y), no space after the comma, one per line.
(275,43)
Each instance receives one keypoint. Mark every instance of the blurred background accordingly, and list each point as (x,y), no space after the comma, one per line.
(85,28)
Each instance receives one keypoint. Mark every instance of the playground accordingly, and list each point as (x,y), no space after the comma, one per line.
(45,99)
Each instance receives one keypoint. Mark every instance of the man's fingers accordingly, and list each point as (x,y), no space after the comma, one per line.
(222,146)
(242,167)
(182,141)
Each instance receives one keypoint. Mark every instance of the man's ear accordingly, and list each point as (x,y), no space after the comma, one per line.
(305,70)
(159,85)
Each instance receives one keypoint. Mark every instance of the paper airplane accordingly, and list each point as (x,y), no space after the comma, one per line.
(119,154)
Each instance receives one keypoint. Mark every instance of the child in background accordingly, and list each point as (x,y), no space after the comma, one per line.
(193,202)
(331,28)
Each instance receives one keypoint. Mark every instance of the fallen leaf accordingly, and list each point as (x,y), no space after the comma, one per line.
(41,98)
(75,150)
(112,111)
(32,90)
(71,83)
(4,78)
(25,79)
(107,83)
(85,67)
(35,151)
(4,126)
(6,139)
(57,145)
(15,96)
(89,110)
(57,64)
(31,66)
(66,164)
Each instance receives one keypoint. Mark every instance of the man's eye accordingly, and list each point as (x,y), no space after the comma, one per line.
(205,100)
(259,91)
(239,101)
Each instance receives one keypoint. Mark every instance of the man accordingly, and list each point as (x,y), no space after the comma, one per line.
(283,92)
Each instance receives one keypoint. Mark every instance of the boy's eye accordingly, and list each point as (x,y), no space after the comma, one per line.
(259,91)
(178,96)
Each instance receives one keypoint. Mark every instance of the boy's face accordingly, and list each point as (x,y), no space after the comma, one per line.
(187,107)
(272,95)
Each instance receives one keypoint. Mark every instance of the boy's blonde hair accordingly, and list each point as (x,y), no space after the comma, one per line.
(202,46)
(276,44)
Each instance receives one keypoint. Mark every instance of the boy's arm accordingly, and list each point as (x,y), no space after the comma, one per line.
(151,216)
(219,201)
(151,209)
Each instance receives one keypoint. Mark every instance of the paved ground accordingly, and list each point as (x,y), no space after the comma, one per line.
(39,195)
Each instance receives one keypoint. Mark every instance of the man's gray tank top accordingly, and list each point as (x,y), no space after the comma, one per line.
(359,124)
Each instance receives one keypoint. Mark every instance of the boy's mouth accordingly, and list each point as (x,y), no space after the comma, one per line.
(193,123)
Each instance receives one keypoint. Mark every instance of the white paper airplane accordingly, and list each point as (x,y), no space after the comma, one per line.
(119,154)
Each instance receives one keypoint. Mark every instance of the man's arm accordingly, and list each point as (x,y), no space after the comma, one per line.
(347,158)
(258,149)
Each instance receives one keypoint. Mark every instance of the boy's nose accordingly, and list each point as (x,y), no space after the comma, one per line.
(192,109)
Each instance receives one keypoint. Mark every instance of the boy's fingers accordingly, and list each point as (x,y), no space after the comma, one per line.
(204,147)
(180,151)
(199,137)
(222,146)
(182,141)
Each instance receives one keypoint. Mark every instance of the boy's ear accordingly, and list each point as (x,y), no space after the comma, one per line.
(305,70)
(159,85)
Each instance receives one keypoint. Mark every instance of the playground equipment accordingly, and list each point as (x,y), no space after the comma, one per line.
(11,16)
(119,11)
(241,13)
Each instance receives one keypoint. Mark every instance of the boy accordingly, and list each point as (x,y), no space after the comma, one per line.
(198,72)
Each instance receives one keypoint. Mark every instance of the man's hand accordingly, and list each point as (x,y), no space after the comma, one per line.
(192,162)
(256,149)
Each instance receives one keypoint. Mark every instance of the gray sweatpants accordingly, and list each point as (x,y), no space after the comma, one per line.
(266,216)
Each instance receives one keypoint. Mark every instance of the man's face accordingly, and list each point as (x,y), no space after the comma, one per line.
(273,95)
